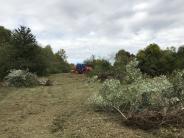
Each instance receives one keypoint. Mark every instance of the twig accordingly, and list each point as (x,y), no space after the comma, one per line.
(120,112)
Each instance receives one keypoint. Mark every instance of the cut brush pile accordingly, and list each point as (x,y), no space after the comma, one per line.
(143,101)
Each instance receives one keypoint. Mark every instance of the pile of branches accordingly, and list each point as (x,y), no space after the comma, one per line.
(154,119)
(45,82)
(102,76)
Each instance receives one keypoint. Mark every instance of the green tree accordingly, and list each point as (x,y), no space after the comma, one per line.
(5,51)
(48,58)
(154,61)
(168,60)
(61,63)
(149,60)
(62,54)
(5,60)
(101,67)
(122,58)
(5,36)
(27,53)
(20,50)
(180,58)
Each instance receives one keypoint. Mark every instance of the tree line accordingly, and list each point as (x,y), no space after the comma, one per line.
(19,49)
(152,61)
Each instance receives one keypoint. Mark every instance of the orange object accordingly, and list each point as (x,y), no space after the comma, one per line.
(88,69)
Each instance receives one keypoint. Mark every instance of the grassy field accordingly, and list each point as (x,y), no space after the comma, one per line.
(60,110)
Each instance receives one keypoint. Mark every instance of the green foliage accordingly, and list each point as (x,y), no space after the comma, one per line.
(93,79)
(122,58)
(132,71)
(180,58)
(168,60)
(20,50)
(21,78)
(154,61)
(5,51)
(5,36)
(149,60)
(5,60)
(111,92)
(141,92)
(61,54)
(55,63)
(150,93)
(23,38)
(61,64)
(177,79)
(101,68)
(27,53)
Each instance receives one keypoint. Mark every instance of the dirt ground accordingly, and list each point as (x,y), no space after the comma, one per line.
(60,110)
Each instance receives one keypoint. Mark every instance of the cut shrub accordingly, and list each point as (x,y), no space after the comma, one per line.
(21,78)
(144,97)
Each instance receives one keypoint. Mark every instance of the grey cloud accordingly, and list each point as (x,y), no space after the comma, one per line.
(100,27)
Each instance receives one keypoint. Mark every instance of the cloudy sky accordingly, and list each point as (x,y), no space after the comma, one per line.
(99,27)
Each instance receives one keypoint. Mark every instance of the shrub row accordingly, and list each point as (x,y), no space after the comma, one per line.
(142,94)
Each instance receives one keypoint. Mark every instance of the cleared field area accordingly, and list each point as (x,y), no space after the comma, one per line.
(60,110)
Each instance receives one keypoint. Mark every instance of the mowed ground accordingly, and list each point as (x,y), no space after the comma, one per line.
(61,110)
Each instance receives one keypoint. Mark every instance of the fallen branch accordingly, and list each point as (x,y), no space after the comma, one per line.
(120,112)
